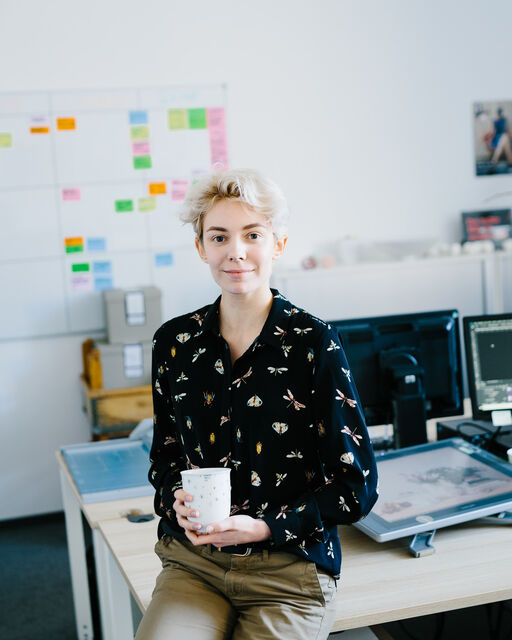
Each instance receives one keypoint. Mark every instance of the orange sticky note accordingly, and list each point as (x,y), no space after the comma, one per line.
(73,242)
(66,124)
(39,129)
(157,188)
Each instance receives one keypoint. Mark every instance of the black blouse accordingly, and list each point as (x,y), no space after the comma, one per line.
(285,418)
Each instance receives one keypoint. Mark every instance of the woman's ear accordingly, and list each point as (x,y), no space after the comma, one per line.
(200,249)
(279,245)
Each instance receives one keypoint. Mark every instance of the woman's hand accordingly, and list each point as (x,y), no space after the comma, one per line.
(183,512)
(233,530)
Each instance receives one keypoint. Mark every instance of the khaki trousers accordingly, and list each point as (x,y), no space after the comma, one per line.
(205,594)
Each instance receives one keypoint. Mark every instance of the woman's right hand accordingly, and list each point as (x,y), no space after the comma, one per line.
(183,512)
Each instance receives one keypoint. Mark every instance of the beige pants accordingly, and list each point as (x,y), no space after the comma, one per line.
(205,594)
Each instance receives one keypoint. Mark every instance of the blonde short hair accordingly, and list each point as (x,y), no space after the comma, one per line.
(244,185)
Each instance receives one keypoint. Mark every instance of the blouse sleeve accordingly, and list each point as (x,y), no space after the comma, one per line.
(165,457)
(349,490)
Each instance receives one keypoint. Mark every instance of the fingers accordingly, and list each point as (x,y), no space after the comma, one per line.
(183,512)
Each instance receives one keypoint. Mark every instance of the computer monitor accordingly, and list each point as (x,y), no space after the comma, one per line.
(407,368)
(488,344)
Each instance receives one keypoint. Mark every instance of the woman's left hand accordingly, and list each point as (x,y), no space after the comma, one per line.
(233,530)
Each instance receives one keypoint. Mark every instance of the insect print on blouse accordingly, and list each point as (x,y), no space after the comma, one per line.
(355,498)
(347,373)
(259,447)
(169,440)
(238,435)
(198,318)
(276,370)
(321,429)
(236,464)
(261,509)
(330,550)
(173,351)
(190,465)
(280,427)
(280,478)
(309,475)
(225,459)
(343,398)
(278,296)
(347,458)
(183,337)
(282,513)
(300,509)
(179,397)
(188,422)
(153,345)
(289,535)
(198,449)
(302,547)
(291,311)
(212,438)
(198,353)
(355,437)
(157,387)
(296,405)
(255,479)
(342,504)
(280,332)
(254,401)
(181,378)
(160,370)
(239,381)
(219,367)
(310,355)
(294,454)
(286,349)
(208,397)
(333,346)
(302,332)
(223,419)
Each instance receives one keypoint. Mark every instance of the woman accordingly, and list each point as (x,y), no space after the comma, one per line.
(252,383)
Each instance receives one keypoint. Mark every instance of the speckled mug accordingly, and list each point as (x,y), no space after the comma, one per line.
(211,489)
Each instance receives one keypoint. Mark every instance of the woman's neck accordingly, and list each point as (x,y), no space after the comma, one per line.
(243,316)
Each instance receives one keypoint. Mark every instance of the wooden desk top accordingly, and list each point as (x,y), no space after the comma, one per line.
(380,582)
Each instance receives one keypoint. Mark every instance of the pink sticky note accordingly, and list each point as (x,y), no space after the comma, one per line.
(179,190)
(141,148)
(71,194)
(81,282)
(217,132)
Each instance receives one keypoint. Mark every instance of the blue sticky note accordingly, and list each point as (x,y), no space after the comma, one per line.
(163,259)
(104,267)
(100,284)
(96,244)
(138,117)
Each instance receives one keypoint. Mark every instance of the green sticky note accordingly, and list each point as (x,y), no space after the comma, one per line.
(84,266)
(76,249)
(147,204)
(142,162)
(140,132)
(5,140)
(124,205)
(178,119)
(197,118)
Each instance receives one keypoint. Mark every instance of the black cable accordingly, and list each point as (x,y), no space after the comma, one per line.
(484,437)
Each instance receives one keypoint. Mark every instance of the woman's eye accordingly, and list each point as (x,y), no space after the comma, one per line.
(254,236)
(218,239)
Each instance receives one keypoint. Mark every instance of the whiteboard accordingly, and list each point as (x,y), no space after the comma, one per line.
(91,187)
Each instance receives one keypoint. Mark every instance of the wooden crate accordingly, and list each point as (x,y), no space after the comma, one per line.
(113,413)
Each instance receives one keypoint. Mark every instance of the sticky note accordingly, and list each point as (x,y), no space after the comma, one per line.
(140,132)
(142,162)
(141,148)
(103,267)
(80,266)
(163,259)
(66,124)
(75,249)
(100,284)
(217,135)
(81,282)
(5,140)
(157,188)
(147,204)
(39,129)
(179,190)
(123,205)
(96,244)
(178,119)
(74,245)
(138,117)
(71,194)
(197,118)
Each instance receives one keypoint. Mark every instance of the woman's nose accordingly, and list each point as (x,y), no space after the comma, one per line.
(237,250)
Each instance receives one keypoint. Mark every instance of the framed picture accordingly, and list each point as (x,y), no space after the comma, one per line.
(492,130)
(492,225)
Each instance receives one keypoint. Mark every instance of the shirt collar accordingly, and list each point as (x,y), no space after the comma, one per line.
(275,327)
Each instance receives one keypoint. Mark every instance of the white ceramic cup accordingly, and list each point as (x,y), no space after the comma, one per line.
(210,489)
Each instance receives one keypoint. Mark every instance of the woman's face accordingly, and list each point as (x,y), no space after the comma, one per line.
(239,246)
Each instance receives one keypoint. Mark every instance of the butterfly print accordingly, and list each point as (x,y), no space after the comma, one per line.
(254,401)
(280,427)
(183,337)
(219,367)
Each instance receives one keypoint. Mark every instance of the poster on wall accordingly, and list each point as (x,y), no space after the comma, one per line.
(492,130)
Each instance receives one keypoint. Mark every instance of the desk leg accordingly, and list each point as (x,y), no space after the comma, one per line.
(114,594)
(77,561)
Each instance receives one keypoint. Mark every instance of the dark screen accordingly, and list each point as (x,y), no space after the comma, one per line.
(494,349)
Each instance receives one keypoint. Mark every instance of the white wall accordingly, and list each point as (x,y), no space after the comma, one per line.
(360,109)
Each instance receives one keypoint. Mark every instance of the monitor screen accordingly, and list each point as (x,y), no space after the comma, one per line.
(428,343)
(488,343)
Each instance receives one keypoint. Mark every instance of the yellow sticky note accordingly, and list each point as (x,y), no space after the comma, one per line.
(178,119)
(5,140)
(66,124)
